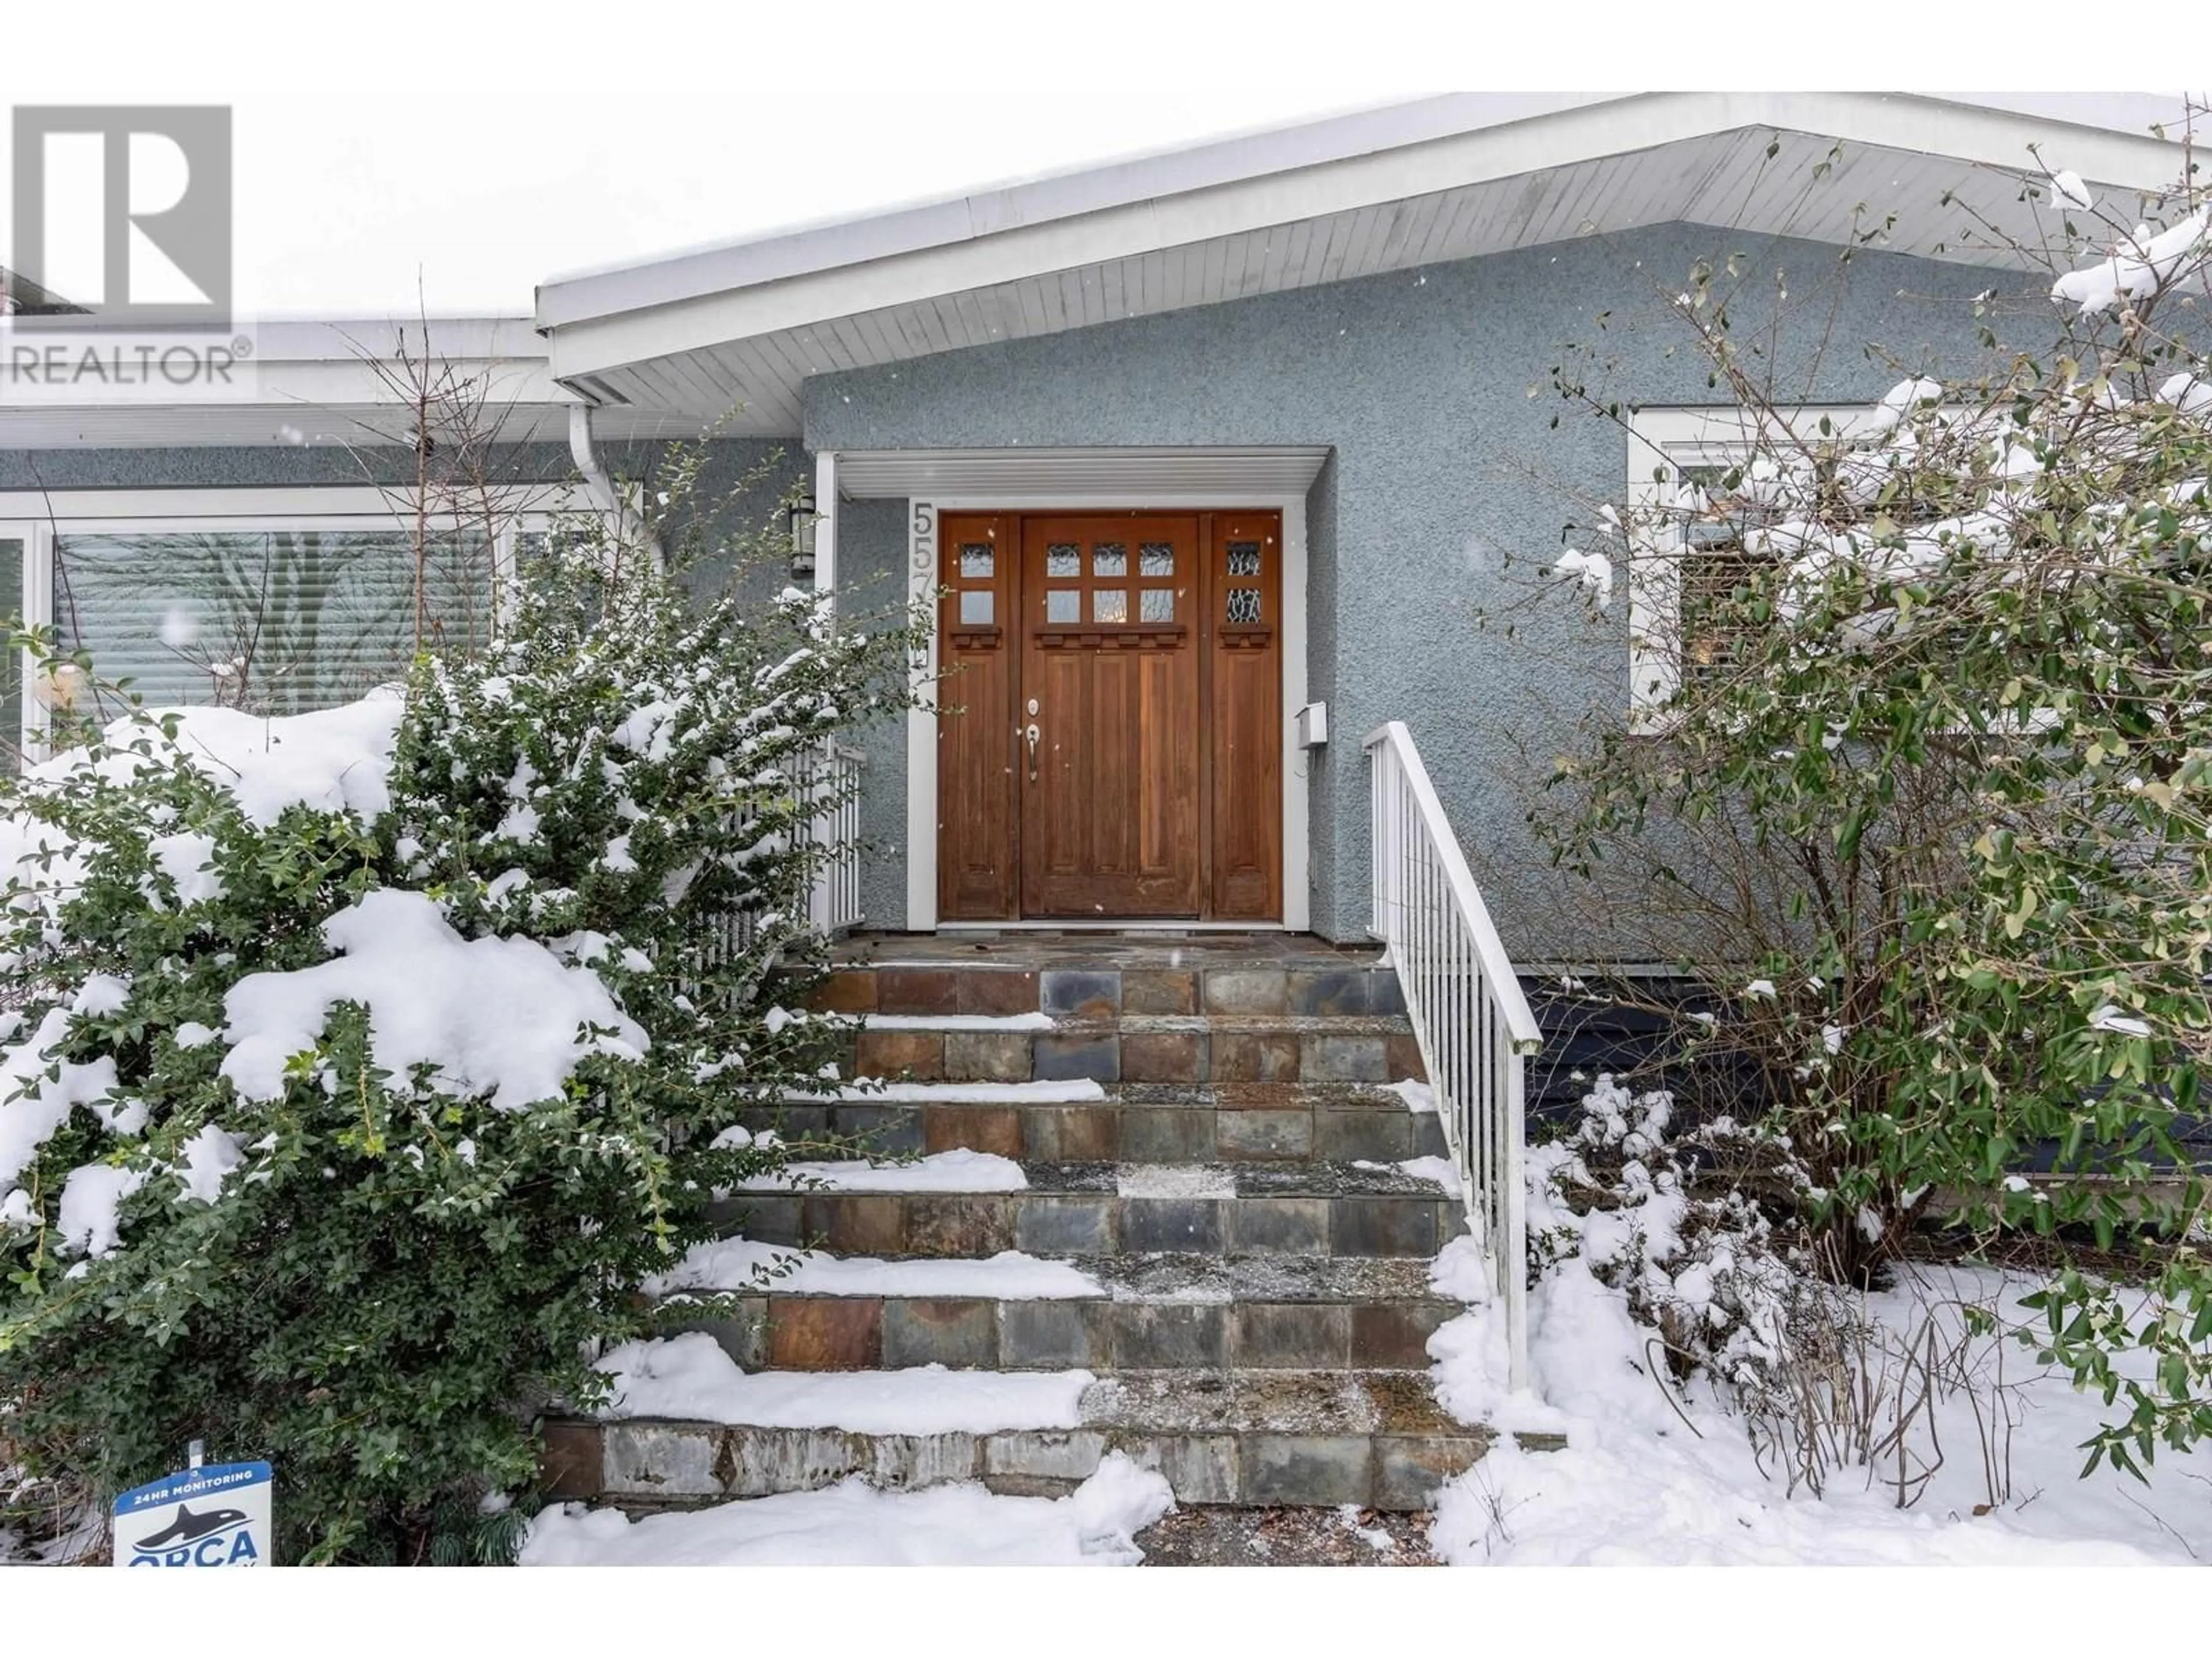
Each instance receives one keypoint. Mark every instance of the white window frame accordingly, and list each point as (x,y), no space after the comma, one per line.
(38,519)
(1662,442)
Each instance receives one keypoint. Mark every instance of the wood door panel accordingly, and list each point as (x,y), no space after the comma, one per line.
(1110,822)
(1245,695)
(1150,644)
(977,874)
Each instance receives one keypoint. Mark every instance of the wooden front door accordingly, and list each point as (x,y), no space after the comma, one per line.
(1109,729)
(1108,716)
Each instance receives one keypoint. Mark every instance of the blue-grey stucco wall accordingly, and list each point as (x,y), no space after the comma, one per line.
(1448,488)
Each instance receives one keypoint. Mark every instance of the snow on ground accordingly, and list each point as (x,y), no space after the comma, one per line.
(852,1524)
(691,1379)
(1638,1485)
(739,1264)
(955,1171)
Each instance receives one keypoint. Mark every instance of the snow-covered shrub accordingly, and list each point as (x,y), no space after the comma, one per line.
(1927,775)
(362,1065)
(1705,1234)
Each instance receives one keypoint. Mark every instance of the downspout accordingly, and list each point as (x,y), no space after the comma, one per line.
(603,490)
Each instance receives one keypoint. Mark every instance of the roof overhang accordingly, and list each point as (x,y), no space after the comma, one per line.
(316,382)
(743,326)
(1223,477)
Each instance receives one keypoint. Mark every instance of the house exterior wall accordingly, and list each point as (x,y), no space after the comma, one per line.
(1446,494)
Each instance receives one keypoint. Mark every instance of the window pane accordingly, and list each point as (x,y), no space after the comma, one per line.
(1156,559)
(1156,604)
(277,622)
(1110,604)
(976,559)
(976,607)
(1063,604)
(1243,558)
(1243,604)
(1109,559)
(1063,559)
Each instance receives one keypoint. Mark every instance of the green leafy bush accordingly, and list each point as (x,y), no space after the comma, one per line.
(365,1062)
(1929,760)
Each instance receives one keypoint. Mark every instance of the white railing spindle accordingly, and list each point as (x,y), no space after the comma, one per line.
(831,776)
(1465,1003)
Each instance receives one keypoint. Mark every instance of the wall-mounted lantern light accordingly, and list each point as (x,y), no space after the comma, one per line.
(800,517)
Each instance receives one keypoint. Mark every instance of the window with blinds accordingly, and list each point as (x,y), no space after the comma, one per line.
(1715,572)
(277,622)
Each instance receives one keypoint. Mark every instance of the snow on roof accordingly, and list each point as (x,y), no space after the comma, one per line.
(803,249)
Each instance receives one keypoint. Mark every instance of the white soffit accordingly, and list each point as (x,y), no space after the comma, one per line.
(1075,475)
(1382,190)
(324,383)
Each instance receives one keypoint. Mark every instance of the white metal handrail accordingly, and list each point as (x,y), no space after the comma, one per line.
(1467,1009)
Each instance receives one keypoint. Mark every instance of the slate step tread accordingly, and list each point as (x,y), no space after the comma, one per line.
(1373,1437)
(1143,1024)
(1245,1401)
(1303,1178)
(1158,1277)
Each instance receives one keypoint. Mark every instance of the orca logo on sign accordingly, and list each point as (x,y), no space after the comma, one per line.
(221,1538)
(125,210)
(216,1516)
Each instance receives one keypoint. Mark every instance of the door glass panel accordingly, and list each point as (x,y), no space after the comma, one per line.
(976,607)
(1243,558)
(1243,604)
(1109,559)
(1063,604)
(1110,604)
(1156,559)
(1063,559)
(976,559)
(1156,604)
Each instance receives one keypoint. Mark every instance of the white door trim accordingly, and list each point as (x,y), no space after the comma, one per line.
(923,551)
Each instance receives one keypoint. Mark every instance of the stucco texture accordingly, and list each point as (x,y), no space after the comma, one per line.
(1446,494)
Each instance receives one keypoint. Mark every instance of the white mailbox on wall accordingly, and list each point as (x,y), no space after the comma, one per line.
(1313,725)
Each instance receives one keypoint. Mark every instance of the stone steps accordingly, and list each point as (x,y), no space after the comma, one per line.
(1155,981)
(1303,1208)
(1375,1439)
(1153,1312)
(1205,1128)
(1137,1122)
(1118,1047)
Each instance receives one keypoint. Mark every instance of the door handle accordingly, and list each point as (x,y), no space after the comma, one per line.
(1031,736)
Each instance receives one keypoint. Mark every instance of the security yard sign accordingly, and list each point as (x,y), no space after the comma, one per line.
(216,1516)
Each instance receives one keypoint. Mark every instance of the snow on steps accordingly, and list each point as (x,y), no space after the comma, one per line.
(851,1524)
(1374,1438)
